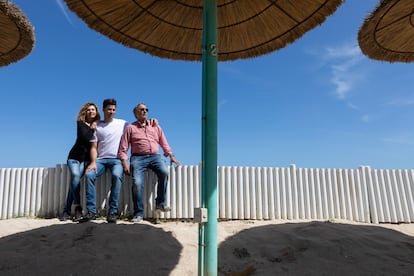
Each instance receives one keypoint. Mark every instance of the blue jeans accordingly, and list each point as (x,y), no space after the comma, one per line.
(139,165)
(115,165)
(76,170)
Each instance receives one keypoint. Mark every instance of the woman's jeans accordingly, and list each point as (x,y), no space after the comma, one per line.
(139,164)
(76,170)
(115,165)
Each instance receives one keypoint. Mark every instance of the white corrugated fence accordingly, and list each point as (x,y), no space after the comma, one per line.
(255,193)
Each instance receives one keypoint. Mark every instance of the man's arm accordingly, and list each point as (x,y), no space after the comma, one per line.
(126,167)
(123,151)
(94,155)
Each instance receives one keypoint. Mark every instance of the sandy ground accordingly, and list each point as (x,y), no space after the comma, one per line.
(51,247)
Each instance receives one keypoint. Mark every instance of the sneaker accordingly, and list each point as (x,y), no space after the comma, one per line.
(88,217)
(136,219)
(111,218)
(65,216)
(78,213)
(162,208)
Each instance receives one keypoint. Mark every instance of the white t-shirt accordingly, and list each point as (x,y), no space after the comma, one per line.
(108,136)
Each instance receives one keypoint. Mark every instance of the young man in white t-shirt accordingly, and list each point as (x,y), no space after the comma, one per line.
(104,150)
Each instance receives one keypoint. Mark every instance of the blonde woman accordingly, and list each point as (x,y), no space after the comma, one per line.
(79,157)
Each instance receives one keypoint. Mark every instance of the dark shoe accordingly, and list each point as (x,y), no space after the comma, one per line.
(88,217)
(78,213)
(162,208)
(66,216)
(111,218)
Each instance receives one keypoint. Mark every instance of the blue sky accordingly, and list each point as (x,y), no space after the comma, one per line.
(317,103)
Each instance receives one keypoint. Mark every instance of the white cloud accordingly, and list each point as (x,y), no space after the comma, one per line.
(404,140)
(342,62)
(344,51)
(401,102)
(62,7)
(342,86)
(221,103)
(366,118)
(353,106)
(233,70)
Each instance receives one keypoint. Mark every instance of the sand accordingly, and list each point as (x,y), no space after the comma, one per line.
(30,246)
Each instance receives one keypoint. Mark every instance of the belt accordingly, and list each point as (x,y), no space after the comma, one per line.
(142,154)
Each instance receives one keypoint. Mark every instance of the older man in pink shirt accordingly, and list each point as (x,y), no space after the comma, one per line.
(144,141)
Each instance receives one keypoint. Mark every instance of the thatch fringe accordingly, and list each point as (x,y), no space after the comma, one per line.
(16,34)
(387,34)
(173,29)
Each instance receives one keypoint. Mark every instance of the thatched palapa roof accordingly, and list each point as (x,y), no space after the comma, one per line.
(173,29)
(16,34)
(388,32)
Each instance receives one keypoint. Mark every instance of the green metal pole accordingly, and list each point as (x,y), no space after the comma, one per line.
(201,228)
(209,135)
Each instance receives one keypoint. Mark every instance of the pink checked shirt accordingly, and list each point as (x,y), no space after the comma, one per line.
(143,140)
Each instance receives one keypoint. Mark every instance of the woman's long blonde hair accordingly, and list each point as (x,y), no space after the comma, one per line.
(82,113)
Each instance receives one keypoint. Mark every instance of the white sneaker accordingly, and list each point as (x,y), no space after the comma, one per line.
(136,219)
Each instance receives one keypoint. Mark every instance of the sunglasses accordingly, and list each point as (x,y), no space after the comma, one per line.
(143,109)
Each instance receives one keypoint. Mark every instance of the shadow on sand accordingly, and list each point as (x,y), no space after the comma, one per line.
(317,248)
(90,249)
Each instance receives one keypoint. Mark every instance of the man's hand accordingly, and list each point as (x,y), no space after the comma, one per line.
(154,122)
(174,160)
(126,167)
(127,171)
(92,167)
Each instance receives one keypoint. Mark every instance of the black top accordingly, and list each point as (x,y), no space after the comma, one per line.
(81,149)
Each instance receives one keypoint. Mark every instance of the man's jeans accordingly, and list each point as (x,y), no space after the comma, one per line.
(139,165)
(76,170)
(115,165)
